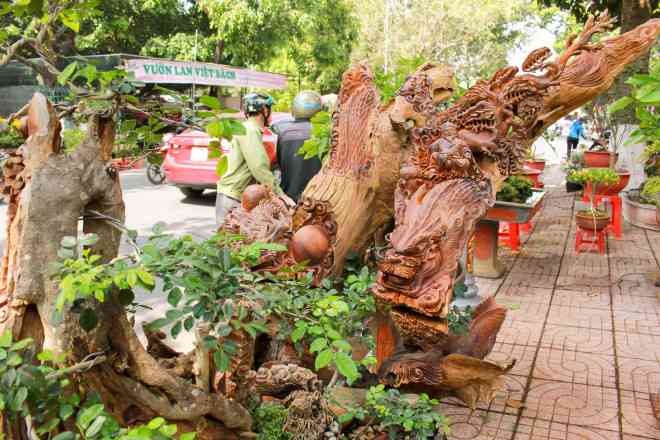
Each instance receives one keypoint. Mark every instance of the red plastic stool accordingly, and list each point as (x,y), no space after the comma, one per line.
(616,225)
(509,235)
(584,237)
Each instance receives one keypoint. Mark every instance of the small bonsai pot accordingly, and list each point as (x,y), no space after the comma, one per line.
(533,175)
(614,189)
(592,220)
(597,159)
(537,164)
(573,187)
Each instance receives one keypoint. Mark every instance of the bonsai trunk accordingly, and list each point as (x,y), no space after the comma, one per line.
(48,193)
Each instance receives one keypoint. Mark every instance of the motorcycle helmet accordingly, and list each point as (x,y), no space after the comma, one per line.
(306,104)
(254,102)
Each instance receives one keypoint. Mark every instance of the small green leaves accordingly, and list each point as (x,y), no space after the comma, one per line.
(318,345)
(323,359)
(346,366)
(222,166)
(210,101)
(67,73)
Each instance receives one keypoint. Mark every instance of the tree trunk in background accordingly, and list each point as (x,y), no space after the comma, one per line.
(48,192)
(633,13)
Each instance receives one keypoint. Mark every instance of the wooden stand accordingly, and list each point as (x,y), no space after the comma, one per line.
(616,224)
(591,238)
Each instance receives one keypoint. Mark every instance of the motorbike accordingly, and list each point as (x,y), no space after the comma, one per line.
(154,169)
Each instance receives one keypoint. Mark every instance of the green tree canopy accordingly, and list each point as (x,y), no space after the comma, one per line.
(315,38)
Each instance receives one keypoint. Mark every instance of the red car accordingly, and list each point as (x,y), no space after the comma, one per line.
(187,164)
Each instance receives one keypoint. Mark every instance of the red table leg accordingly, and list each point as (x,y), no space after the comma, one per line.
(616,223)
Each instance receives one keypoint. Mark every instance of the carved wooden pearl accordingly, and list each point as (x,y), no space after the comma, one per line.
(252,195)
(310,243)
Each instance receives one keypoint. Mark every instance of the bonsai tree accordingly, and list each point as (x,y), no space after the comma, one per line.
(515,189)
(596,177)
(651,191)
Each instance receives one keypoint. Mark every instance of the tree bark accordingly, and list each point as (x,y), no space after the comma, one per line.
(46,200)
(633,13)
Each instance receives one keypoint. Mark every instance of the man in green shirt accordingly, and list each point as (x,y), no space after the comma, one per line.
(248,161)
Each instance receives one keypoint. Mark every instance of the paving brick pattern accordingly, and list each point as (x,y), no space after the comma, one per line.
(585,330)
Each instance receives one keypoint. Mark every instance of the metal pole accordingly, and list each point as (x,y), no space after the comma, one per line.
(193,80)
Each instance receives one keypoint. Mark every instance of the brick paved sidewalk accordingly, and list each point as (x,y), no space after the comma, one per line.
(585,330)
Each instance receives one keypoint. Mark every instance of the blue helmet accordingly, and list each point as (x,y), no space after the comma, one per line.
(254,102)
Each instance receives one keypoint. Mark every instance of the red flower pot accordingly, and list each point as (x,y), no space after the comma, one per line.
(533,175)
(597,159)
(611,190)
(536,164)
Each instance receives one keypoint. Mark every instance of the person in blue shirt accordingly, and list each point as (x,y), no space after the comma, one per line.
(575,132)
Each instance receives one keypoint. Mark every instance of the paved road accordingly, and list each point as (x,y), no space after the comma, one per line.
(146,205)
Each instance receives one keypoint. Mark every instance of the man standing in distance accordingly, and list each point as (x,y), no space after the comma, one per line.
(296,170)
(248,161)
(574,133)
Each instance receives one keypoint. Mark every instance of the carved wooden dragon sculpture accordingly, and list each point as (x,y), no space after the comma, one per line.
(437,172)
(449,183)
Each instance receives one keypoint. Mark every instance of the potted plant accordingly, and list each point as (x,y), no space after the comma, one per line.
(640,205)
(593,218)
(533,161)
(651,194)
(515,189)
(611,135)
(575,163)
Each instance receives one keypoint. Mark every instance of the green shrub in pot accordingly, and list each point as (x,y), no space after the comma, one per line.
(515,189)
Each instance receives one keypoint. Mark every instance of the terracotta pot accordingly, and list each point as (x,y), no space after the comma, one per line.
(597,159)
(611,190)
(533,175)
(639,214)
(593,221)
(535,164)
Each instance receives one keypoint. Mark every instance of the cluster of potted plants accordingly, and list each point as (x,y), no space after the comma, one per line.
(641,205)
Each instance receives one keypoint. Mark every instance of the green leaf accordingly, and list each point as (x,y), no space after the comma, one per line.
(63,77)
(346,366)
(156,423)
(651,97)
(323,359)
(221,361)
(88,320)
(46,356)
(146,278)
(333,334)
(14,360)
(71,19)
(188,436)
(211,102)
(342,345)
(174,297)
(215,129)
(318,344)
(20,345)
(189,323)
(66,411)
(158,323)
(5,339)
(95,427)
(19,398)
(131,278)
(298,334)
(68,435)
(176,329)
(620,104)
(222,166)
(89,414)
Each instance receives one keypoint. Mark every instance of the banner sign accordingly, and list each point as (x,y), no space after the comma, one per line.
(181,72)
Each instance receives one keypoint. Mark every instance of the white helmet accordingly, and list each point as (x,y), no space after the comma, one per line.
(306,104)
